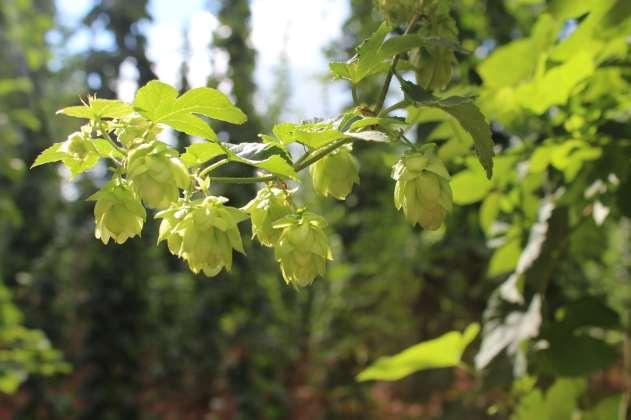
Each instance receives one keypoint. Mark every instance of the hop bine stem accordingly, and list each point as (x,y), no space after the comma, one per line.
(393,66)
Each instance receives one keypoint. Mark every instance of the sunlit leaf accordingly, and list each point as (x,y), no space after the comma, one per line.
(444,351)
(159,103)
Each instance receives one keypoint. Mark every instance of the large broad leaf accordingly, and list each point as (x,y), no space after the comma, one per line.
(98,108)
(465,112)
(444,351)
(159,102)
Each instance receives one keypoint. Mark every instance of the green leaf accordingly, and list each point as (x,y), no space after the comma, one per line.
(469,187)
(159,102)
(466,113)
(556,85)
(266,156)
(559,402)
(489,210)
(385,122)
(505,258)
(472,120)
(444,351)
(105,149)
(314,135)
(98,108)
(367,61)
(51,154)
(200,153)
(263,155)
(607,408)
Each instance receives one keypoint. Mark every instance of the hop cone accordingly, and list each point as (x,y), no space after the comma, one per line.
(399,11)
(303,248)
(118,213)
(157,173)
(136,131)
(435,62)
(422,189)
(269,205)
(336,173)
(203,233)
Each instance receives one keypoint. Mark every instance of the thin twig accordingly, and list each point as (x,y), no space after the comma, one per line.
(395,61)
(212,167)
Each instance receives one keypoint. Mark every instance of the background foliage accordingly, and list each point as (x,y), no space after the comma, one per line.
(538,255)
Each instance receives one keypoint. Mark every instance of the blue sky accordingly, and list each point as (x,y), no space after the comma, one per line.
(307,26)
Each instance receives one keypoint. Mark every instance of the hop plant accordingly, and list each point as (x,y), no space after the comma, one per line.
(336,173)
(203,233)
(435,62)
(422,189)
(157,173)
(136,131)
(269,205)
(303,248)
(399,11)
(118,212)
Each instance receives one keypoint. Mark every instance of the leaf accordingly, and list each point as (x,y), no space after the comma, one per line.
(469,187)
(472,120)
(367,60)
(200,153)
(444,351)
(385,122)
(265,156)
(489,210)
(505,258)
(559,401)
(399,44)
(105,149)
(314,135)
(556,85)
(607,408)
(49,155)
(466,113)
(158,102)
(369,135)
(98,108)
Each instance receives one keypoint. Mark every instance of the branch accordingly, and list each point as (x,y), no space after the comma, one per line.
(212,167)
(298,166)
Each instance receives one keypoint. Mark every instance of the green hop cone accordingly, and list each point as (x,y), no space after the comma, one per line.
(269,205)
(435,62)
(203,233)
(157,173)
(422,189)
(303,248)
(399,11)
(335,173)
(79,151)
(137,130)
(118,212)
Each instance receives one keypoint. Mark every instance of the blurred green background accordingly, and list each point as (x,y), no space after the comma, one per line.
(89,331)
